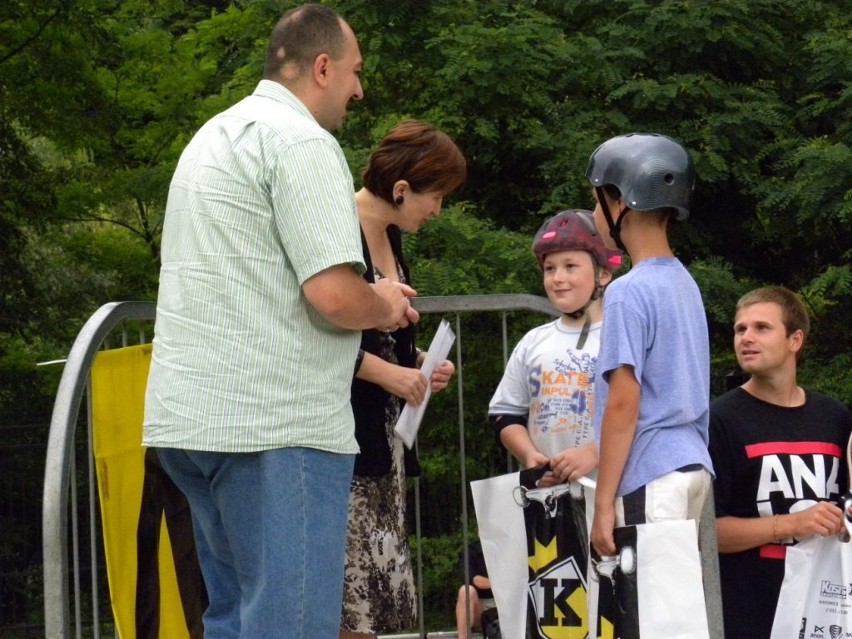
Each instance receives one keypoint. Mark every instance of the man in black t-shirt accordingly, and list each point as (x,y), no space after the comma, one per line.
(778,452)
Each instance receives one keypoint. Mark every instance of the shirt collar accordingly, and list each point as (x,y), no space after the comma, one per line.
(278,92)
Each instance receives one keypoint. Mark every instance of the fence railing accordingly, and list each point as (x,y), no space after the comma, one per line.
(60,492)
(124,323)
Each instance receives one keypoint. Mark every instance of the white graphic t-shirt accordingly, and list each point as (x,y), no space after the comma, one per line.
(553,381)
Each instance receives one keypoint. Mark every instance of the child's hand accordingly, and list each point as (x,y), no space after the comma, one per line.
(601,534)
(535,459)
(573,463)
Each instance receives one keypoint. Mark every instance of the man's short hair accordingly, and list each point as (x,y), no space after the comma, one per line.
(793,312)
(301,35)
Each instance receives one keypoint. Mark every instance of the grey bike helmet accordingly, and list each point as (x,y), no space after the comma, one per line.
(651,170)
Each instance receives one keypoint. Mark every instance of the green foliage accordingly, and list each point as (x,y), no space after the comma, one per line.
(720,290)
(26,390)
(506,74)
(24,200)
(460,253)
(48,54)
(831,377)
(83,271)
(828,298)
(835,281)
(98,99)
(442,578)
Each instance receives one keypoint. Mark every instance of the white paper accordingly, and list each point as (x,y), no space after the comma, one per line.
(503,535)
(411,416)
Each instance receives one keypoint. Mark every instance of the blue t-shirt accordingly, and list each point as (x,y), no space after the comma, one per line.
(654,321)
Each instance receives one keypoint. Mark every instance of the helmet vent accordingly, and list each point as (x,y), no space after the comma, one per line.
(668,178)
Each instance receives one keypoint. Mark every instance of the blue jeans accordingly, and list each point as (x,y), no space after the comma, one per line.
(271,534)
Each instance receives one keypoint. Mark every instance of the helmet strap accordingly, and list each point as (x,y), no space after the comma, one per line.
(579,312)
(598,291)
(584,332)
(614,226)
(583,310)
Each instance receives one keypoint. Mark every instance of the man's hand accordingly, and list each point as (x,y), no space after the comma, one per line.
(397,295)
(344,299)
(823,519)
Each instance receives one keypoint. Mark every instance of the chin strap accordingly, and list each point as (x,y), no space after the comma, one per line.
(614,225)
(584,333)
(580,312)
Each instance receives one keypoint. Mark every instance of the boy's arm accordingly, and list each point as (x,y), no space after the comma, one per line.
(516,438)
(617,431)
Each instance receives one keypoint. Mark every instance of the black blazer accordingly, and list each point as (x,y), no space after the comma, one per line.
(369,400)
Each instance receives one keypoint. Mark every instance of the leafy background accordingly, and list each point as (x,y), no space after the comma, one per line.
(99,97)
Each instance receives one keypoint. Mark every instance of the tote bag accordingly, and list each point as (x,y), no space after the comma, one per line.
(534,541)
(557,557)
(816,594)
(500,521)
(653,588)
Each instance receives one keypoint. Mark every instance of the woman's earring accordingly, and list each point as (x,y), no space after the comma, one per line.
(399,200)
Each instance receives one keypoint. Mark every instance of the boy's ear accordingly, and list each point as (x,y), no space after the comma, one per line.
(605,276)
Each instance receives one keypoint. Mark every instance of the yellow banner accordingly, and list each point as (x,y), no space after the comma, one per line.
(139,506)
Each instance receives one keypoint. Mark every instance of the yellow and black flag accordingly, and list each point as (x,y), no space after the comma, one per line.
(156,588)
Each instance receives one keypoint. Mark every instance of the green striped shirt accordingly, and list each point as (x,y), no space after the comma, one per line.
(261,200)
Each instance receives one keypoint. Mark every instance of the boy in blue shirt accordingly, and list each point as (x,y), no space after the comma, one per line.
(652,385)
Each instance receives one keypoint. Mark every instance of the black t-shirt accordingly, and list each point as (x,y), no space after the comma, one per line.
(770,460)
(476,566)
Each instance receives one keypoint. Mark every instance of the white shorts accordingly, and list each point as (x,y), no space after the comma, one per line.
(677,495)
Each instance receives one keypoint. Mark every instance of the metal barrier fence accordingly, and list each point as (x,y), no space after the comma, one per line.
(60,492)
(130,322)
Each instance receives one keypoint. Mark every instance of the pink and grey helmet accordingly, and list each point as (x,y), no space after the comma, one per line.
(574,230)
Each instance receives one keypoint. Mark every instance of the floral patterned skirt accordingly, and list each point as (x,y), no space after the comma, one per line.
(378,591)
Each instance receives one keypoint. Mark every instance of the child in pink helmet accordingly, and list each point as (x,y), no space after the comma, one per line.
(542,408)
